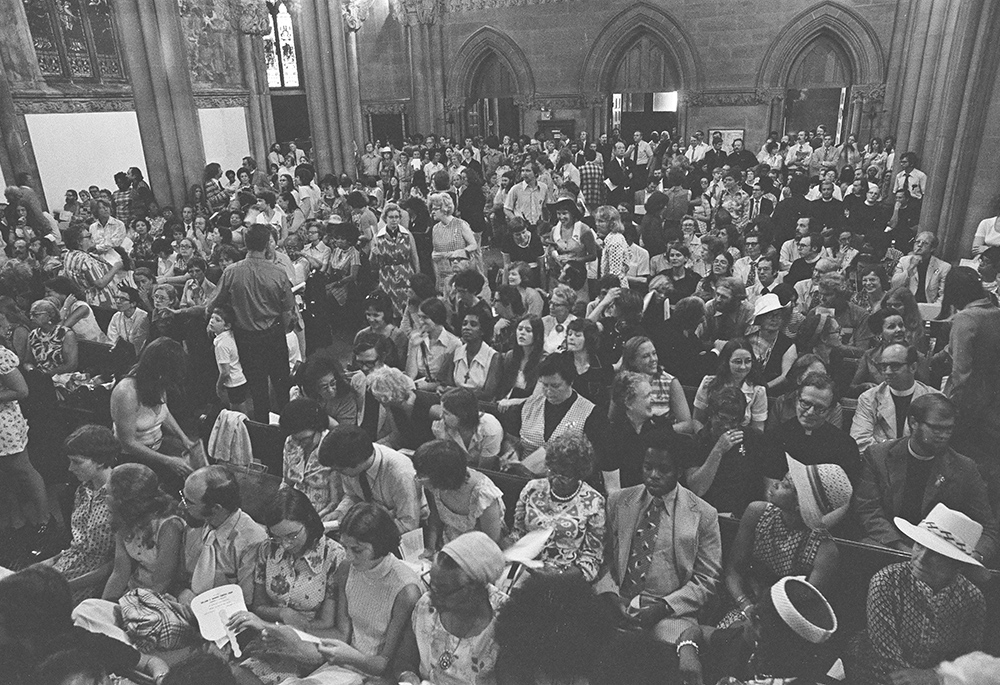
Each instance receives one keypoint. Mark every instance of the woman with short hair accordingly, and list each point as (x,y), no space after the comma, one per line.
(52,346)
(304,423)
(454,244)
(478,433)
(460,498)
(561,305)
(321,378)
(564,502)
(394,257)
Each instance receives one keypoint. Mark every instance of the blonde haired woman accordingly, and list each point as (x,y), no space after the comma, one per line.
(454,244)
(615,252)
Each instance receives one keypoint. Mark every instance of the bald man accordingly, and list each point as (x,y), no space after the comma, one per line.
(220,546)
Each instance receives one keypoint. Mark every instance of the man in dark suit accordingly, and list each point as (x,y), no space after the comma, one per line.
(908,476)
(741,157)
(619,175)
(663,550)
(827,210)
(759,206)
(716,158)
(788,212)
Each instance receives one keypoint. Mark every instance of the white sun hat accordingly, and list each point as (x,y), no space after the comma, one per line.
(945,531)
(804,609)
(766,304)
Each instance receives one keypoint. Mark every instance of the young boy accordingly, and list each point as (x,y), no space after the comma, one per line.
(232,385)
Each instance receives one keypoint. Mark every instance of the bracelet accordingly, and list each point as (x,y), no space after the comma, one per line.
(688,643)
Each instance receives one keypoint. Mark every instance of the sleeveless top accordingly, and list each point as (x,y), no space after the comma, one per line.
(145,556)
(484,493)
(780,551)
(533,421)
(370,596)
(149,424)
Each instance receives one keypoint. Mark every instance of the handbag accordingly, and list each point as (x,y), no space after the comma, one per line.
(154,622)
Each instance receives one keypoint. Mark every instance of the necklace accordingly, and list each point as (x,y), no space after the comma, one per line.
(448,656)
(557,498)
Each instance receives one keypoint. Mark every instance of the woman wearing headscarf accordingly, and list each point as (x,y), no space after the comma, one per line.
(454,621)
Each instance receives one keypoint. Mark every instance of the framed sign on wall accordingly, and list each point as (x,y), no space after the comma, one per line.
(728,136)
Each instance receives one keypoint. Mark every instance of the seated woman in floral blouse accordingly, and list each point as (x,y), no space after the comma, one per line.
(564,502)
(294,582)
(305,423)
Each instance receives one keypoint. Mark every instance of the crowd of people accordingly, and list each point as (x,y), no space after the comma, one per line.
(641,336)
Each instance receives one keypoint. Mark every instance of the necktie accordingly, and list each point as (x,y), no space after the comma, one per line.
(752,275)
(641,555)
(906,182)
(754,208)
(369,420)
(366,487)
(203,576)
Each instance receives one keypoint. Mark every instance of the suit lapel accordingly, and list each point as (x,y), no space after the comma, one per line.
(939,475)
(887,409)
(629,512)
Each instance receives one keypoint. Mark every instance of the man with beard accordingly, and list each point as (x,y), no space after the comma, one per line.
(728,315)
(220,546)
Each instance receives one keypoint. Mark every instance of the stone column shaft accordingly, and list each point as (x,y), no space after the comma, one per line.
(260,116)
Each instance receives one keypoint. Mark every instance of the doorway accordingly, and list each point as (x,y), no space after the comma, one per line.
(490,109)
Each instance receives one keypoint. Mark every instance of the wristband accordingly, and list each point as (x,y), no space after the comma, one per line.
(688,643)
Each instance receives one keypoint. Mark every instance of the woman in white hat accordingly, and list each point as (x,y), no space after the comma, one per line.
(786,636)
(775,351)
(788,535)
(924,611)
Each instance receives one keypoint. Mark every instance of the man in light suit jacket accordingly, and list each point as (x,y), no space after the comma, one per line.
(922,272)
(876,419)
(908,476)
(660,568)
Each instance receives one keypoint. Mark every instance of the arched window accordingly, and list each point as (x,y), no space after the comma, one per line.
(490,108)
(280,52)
(644,86)
(74,40)
(818,84)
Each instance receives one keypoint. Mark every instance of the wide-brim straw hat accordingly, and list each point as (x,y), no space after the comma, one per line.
(766,304)
(567,202)
(948,532)
(804,609)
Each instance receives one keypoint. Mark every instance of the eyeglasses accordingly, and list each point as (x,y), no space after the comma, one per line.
(288,537)
(807,406)
(891,366)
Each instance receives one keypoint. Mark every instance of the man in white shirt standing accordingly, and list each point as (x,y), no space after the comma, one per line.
(789,251)
(910,178)
(698,147)
(639,153)
(800,154)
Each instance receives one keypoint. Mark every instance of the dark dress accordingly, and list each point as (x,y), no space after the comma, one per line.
(685,357)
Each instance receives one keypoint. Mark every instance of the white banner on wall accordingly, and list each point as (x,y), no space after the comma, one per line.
(77,150)
(224,132)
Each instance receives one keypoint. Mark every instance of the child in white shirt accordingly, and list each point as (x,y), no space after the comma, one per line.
(232,385)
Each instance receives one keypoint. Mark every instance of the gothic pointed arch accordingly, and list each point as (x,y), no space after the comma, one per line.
(484,45)
(641,20)
(825,21)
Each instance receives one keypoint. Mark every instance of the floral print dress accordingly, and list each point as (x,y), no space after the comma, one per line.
(301,583)
(392,257)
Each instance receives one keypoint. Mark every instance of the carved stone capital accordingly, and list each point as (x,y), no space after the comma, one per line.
(454,104)
(524,101)
(221,100)
(551,102)
(413,12)
(593,99)
(356,12)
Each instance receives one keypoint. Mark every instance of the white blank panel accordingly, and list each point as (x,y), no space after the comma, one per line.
(224,133)
(82,149)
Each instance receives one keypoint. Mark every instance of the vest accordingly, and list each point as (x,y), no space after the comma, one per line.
(533,421)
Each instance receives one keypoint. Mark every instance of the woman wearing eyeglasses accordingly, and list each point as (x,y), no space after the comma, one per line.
(294,583)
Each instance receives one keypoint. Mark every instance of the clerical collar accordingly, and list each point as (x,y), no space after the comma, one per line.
(902,393)
(915,455)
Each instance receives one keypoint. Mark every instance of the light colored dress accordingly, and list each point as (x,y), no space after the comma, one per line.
(485,443)
(455,236)
(343,261)
(47,348)
(482,495)
(473,658)
(144,551)
(13,426)
(370,596)
(577,523)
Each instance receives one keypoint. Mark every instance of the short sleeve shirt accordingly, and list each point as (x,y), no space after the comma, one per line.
(226,353)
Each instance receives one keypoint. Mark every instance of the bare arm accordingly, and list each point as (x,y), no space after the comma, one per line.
(124,407)
(122,569)
(738,568)
(169,545)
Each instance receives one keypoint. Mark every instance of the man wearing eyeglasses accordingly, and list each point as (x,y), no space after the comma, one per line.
(809,437)
(220,545)
(907,477)
(882,410)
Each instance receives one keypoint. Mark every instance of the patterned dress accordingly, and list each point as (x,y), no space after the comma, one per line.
(911,626)
(93,542)
(577,524)
(47,348)
(473,657)
(778,551)
(455,236)
(300,583)
(304,472)
(392,257)
(13,426)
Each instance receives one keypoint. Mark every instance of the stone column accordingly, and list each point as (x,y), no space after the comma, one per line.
(939,83)
(435,43)
(355,13)
(156,58)
(260,116)
(418,78)
(328,93)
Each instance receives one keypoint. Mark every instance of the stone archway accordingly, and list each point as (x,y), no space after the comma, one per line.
(636,23)
(855,41)
(491,49)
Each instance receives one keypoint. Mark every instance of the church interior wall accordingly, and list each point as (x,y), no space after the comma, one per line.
(224,132)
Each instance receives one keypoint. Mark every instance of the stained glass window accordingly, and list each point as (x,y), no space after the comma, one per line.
(280,55)
(74,39)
